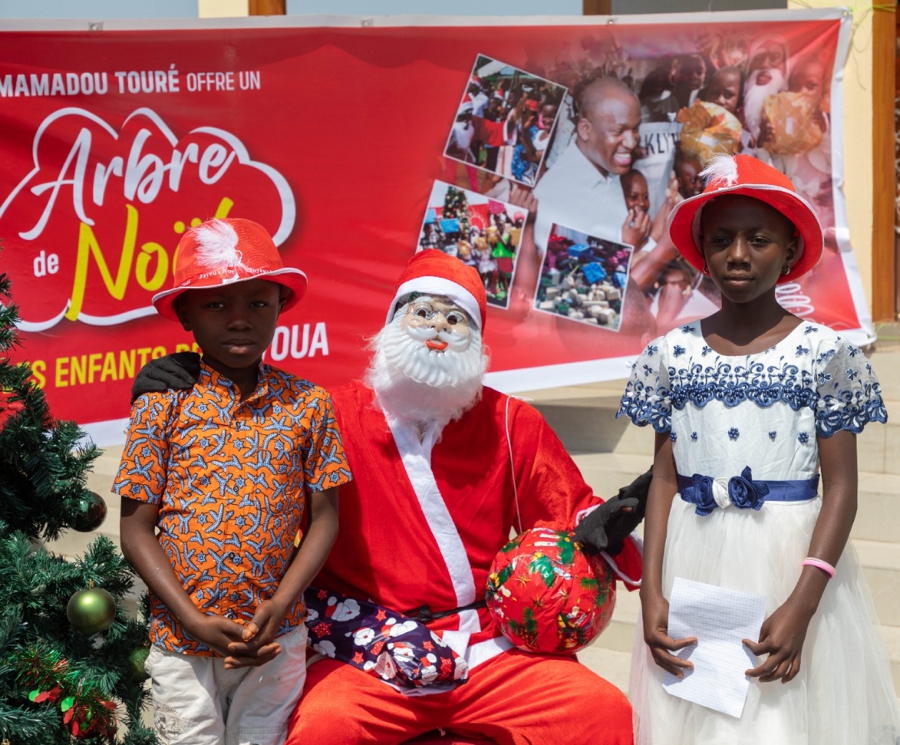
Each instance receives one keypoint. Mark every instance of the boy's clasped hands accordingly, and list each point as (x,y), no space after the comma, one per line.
(242,645)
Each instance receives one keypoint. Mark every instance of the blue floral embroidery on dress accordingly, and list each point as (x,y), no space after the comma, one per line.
(673,435)
(801,350)
(772,435)
(687,329)
(810,330)
(803,438)
(733,433)
(843,395)
(825,356)
(678,351)
(693,437)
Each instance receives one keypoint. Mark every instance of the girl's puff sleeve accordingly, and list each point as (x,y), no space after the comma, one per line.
(848,395)
(646,399)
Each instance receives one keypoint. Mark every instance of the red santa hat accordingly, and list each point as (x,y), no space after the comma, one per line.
(432,272)
(222,252)
(747,176)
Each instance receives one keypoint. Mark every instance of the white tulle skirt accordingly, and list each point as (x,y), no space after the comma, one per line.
(843,694)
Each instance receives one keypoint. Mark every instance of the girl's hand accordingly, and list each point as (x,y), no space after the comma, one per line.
(257,645)
(655,614)
(781,638)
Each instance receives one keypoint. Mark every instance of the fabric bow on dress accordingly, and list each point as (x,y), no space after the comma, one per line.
(707,493)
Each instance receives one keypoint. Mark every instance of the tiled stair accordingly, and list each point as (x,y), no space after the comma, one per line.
(611,452)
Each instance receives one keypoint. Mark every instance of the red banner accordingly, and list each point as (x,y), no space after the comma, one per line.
(355,147)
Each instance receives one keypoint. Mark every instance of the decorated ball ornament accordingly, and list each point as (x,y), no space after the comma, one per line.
(87,512)
(136,662)
(91,611)
(547,595)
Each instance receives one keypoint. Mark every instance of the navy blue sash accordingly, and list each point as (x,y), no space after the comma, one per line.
(743,492)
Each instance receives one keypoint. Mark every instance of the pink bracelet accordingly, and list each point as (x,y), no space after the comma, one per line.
(811,561)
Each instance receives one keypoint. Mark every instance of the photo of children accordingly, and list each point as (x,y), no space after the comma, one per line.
(640,122)
(584,278)
(482,232)
(504,122)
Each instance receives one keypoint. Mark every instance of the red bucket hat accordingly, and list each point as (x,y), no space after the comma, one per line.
(748,176)
(432,272)
(222,252)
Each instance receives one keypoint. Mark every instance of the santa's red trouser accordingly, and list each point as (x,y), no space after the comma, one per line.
(516,699)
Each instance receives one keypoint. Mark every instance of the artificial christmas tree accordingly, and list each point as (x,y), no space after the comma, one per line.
(67,647)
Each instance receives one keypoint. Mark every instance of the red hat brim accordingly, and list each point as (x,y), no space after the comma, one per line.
(684,224)
(294,279)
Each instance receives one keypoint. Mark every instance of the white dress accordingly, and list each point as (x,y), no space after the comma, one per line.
(764,411)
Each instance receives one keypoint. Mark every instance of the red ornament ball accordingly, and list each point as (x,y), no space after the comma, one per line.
(547,595)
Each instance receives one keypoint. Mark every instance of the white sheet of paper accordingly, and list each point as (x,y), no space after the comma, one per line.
(720,619)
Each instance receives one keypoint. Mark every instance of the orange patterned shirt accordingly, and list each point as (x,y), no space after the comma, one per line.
(231,478)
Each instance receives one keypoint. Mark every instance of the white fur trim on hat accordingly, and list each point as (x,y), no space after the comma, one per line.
(438,286)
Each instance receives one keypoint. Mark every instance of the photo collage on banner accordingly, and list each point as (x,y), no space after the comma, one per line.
(502,129)
(610,138)
(481,232)
(584,278)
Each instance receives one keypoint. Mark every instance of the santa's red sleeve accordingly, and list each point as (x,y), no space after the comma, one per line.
(550,489)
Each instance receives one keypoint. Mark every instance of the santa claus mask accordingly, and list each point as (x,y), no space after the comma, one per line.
(429,361)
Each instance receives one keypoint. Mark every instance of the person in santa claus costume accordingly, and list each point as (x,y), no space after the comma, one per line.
(445,469)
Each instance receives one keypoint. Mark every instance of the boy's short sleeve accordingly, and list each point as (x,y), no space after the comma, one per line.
(142,472)
(325,464)
(848,393)
(646,399)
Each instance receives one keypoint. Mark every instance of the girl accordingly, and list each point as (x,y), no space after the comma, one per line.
(746,404)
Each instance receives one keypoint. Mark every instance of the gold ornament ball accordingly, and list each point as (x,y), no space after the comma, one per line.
(91,611)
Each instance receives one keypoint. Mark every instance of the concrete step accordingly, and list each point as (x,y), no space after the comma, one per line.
(609,664)
(881,566)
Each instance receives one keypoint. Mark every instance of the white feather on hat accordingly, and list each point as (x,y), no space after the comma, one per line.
(217,245)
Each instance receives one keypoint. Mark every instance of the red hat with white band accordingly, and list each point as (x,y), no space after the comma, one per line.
(222,252)
(747,176)
(432,272)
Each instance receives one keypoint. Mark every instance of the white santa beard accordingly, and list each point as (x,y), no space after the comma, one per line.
(416,384)
(755,96)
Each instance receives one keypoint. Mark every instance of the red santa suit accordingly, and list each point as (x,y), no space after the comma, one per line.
(420,525)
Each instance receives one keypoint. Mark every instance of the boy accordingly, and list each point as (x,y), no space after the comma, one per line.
(226,471)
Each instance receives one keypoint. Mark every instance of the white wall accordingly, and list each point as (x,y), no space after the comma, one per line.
(97,10)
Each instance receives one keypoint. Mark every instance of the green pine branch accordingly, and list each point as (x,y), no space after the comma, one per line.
(44,465)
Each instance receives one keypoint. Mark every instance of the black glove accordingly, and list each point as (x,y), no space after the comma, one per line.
(179,370)
(607,527)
